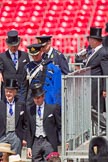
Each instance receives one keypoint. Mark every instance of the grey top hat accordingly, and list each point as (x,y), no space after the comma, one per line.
(13,39)
(95,32)
(11,84)
(37,90)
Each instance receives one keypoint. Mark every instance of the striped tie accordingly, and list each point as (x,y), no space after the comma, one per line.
(14,59)
(10,109)
(39,111)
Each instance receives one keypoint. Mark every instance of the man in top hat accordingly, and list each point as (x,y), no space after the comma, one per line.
(43,71)
(98,149)
(43,122)
(57,57)
(98,61)
(13,121)
(13,60)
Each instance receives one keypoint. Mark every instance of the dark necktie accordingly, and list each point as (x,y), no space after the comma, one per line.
(14,59)
(10,109)
(39,111)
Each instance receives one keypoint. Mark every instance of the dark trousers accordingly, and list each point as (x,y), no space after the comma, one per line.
(14,140)
(40,149)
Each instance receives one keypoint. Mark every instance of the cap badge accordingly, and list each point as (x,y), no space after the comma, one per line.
(32,49)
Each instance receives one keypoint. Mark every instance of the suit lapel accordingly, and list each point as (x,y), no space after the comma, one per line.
(8,55)
(19,59)
(5,113)
(10,59)
(45,112)
(19,54)
(17,112)
(33,112)
(92,57)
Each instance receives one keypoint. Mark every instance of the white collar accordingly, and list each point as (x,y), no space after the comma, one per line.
(12,53)
(42,106)
(11,102)
(50,51)
(98,47)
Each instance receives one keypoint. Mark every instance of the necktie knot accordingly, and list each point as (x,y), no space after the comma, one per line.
(39,111)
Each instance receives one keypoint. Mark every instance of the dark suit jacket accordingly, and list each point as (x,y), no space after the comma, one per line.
(105,41)
(59,59)
(7,66)
(99,66)
(20,119)
(51,123)
(99,62)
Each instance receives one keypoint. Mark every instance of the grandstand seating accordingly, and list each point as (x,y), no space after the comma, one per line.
(41,17)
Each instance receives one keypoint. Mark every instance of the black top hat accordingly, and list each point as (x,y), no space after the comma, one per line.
(13,39)
(37,90)
(95,32)
(43,39)
(98,149)
(11,84)
(34,49)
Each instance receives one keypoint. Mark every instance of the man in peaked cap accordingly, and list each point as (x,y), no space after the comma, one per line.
(13,60)
(57,57)
(42,71)
(98,149)
(43,122)
(98,61)
(13,121)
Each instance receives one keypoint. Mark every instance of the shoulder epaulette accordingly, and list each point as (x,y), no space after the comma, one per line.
(58,52)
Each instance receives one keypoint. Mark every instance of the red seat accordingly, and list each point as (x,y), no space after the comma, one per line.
(102,2)
(55,5)
(62,31)
(46,31)
(87,2)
